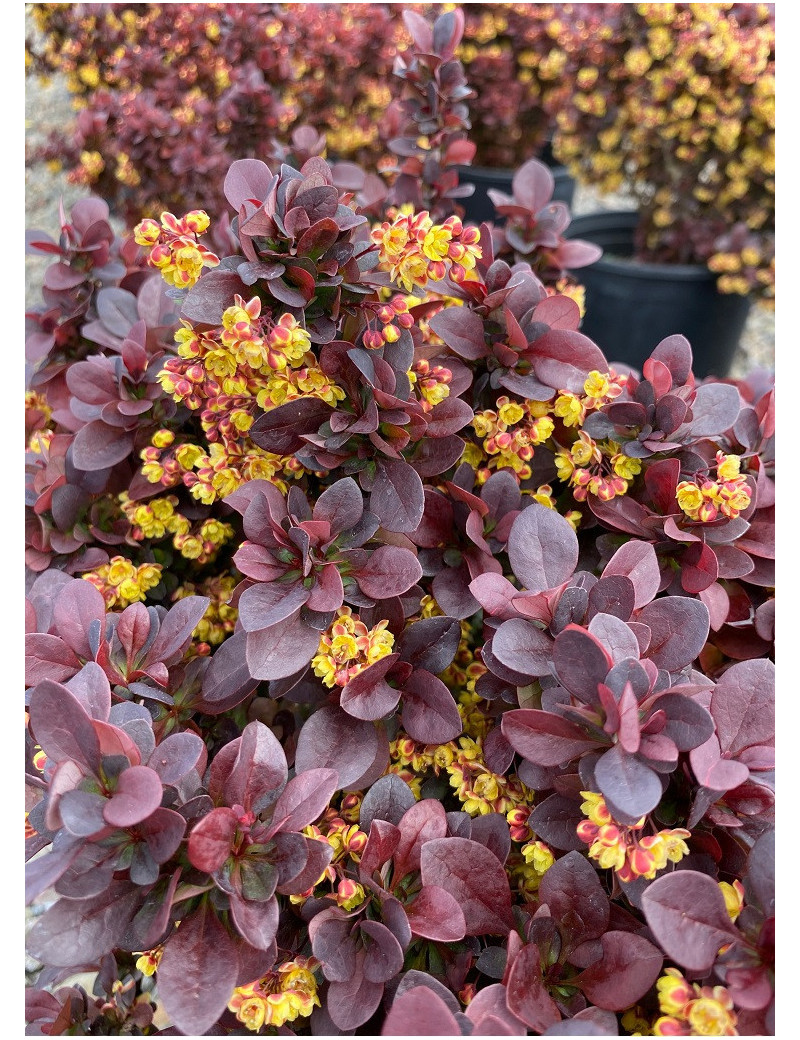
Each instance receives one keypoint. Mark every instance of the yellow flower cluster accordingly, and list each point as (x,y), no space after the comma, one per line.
(173,246)
(510,431)
(596,468)
(415,251)
(693,1010)
(706,500)
(284,994)
(432,382)
(625,849)
(479,790)
(157,518)
(121,582)
(219,620)
(347,647)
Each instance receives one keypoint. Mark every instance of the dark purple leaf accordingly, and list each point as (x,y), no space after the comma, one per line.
(259,772)
(176,755)
(198,972)
(430,643)
(430,715)
(256,922)
(743,706)
(626,970)
(281,651)
(397,497)
(305,797)
(352,1002)
(614,595)
(163,831)
(462,331)
(332,739)
(48,657)
(419,1011)
(280,430)
(342,505)
(265,605)
(422,822)
(99,446)
(618,638)
(523,647)
(318,856)
(389,571)
(563,359)
(436,915)
(176,629)
(629,784)
(575,896)
(679,628)
(543,738)
(384,955)
(686,913)
(542,548)
(688,723)
(387,799)
(368,696)
(62,728)
(474,877)
(78,604)
(74,932)
(715,409)
(581,662)
(555,820)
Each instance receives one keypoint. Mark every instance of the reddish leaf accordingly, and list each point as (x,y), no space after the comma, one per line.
(137,795)
(436,915)
(462,331)
(352,1002)
(78,604)
(62,728)
(626,970)
(282,650)
(211,839)
(422,822)
(474,877)
(397,497)
(527,994)
(99,446)
(543,738)
(523,647)
(638,561)
(198,972)
(332,739)
(631,786)
(430,715)
(420,1011)
(305,797)
(256,922)
(679,628)
(686,913)
(389,571)
(542,548)
(175,632)
(743,706)
(259,772)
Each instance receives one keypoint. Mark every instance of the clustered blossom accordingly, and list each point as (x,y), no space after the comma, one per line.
(174,247)
(631,853)
(415,251)
(219,620)
(704,499)
(121,582)
(347,647)
(596,468)
(282,995)
(693,1010)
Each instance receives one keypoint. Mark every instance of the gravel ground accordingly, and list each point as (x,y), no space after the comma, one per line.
(48,106)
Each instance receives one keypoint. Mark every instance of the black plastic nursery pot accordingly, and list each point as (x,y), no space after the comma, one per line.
(631,305)
(479,207)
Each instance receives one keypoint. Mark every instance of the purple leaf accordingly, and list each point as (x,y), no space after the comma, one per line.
(533,185)
(177,755)
(384,954)
(137,795)
(368,696)
(305,797)
(462,331)
(318,856)
(397,497)
(332,739)
(247,179)
(743,706)
(267,604)
(389,571)
(78,604)
(686,913)
(48,657)
(436,915)
(62,728)
(176,629)
(715,409)
(342,505)
(679,629)
(430,643)
(198,972)
(387,800)
(430,715)
(628,967)
(617,637)
(419,1011)
(475,878)
(581,662)
(523,647)
(282,650)
(629,784)
(352,1002)
(542,548)
(256,922)
(280,430)
(99,446)
(543,738)
(259,771)
(163,831)
(563,359)
(526,993)
(575,896)
(74,932)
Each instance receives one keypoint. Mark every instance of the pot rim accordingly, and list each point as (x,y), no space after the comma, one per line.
(626,220)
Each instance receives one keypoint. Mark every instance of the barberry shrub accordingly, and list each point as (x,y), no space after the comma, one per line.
(395,663)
